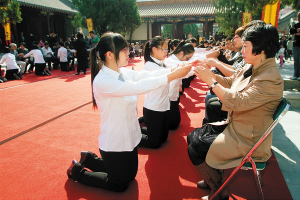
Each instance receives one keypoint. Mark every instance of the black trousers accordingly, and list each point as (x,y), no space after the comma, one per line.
(39,68)
(174,115)
(82,64)
(113,171)
(157,128)
(64,66)
(13,74)
(214,112)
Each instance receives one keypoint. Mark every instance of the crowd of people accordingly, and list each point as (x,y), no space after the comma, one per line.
(43,56)
(245,89)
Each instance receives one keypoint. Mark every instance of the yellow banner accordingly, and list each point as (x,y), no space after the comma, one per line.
(270,13)
(7,31)
(89,24)
(247,17)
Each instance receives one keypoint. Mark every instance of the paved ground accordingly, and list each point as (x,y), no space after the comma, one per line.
(286,141)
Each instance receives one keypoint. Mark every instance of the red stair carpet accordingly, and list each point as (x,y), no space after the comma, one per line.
(46,122)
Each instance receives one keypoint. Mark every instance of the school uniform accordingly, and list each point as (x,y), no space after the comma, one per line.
(39,62)
(174,113)
(116,95)
(62,55)
(155,111)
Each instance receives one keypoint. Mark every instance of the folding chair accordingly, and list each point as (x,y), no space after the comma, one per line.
(247,162)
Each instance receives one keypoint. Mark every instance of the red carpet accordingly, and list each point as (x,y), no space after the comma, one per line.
(56,121)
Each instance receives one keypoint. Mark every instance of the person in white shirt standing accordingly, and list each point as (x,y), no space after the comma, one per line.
(12,69)
(39,62)
(115,93)
(62,55)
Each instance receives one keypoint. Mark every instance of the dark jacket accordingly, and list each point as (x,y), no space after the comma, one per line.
(80,47)
(293,30)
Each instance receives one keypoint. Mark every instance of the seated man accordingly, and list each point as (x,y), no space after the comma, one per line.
(13,50)
(48,54)
(70,56)
(62,55)
(21,52)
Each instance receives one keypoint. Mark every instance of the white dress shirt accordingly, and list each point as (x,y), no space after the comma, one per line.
(37,54)
(62,54)
(117,102)
(171,62)
(158,99)
(10,60)
(46,51)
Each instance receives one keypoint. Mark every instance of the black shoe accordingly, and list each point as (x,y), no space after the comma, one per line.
(69,171)
(84,155)
(84,72)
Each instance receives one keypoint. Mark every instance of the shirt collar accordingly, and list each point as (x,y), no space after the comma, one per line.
(110,72)
(159,62)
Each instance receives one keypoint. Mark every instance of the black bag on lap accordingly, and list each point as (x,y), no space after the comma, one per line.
(202,138)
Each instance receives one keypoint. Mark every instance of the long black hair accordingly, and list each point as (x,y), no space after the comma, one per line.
(187,48)
(154,42)
(113,42)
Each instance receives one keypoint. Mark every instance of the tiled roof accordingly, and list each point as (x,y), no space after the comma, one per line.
(176,10)
(64,6)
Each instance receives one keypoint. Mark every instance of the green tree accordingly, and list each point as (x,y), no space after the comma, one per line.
(229,13)
(117,16)
(167,28)
(294,3)
(10,12)
(190,28)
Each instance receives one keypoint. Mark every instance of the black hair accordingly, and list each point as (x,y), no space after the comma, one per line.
(80,34)
(175,43)
(61,44)
(23,43)
(92,32)
(154,42)
(254,23)
(6,50)
(264,37)
(193,40)
(34,46)
(187,48)
(46,43)
(113,42)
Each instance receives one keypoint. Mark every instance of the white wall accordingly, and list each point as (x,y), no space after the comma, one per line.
(141,32)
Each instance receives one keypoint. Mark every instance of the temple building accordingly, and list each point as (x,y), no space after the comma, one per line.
(154,14)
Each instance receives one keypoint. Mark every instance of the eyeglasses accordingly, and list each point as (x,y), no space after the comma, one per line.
(164,50)
(187,58)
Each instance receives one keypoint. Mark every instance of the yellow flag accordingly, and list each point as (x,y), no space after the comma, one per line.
(270,13)
(7,31)
(89,23)
(247,17)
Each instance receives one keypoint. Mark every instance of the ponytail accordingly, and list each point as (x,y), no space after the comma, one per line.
(154,42)
(96,65)
(113,42)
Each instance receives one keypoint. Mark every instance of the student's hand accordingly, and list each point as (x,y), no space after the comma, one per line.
(179,72)
(211,62)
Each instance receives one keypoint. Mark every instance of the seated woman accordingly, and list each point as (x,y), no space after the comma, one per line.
(12,69)
(250,96)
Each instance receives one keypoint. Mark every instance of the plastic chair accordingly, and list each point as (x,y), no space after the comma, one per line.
(247,162)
